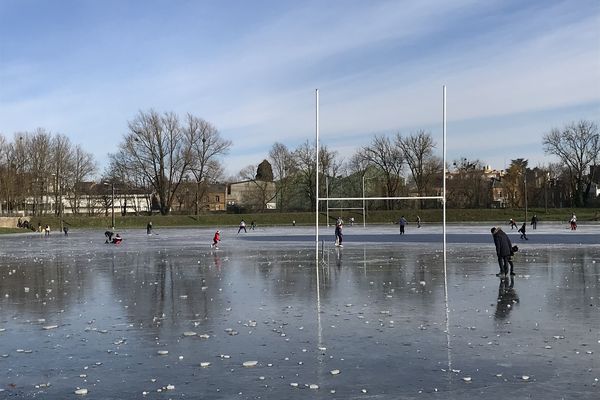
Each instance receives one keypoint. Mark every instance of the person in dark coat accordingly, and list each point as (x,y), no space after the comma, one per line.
(402,224)
(339,236)
(534,221)
(522,231)
(503,251)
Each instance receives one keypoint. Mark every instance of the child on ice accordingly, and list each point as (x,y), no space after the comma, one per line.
(216,240)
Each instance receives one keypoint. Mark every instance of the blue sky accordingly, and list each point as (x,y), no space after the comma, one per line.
(513,70)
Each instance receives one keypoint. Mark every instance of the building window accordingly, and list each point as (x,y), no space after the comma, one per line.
(218,199)
(217,207)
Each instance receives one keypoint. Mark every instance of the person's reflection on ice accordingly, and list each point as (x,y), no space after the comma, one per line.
(507,298)
(217,261)
(338,257)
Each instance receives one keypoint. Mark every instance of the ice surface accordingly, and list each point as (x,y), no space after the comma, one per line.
(167,313)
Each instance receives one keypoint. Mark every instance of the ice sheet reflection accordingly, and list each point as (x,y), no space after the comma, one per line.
(375,313)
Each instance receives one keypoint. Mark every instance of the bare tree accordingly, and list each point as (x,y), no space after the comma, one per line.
(5,182)
(156,148)
(284,167)
(577,145)
(388,158)
(467,186)
(417,151)
(206,146)
(356,169)
(305,157)
(40,161)
(19,164)
(83,167)
(62,162)
(330,168)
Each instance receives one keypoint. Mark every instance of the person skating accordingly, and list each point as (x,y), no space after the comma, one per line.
(504,251)
(149,228)
(109,235)
(242,226)
(117,239)
(216,240)
(418,221)
(512,224)
(252,226)
(522,231)
(534,221)
(47,230)
(573,222)
(339,236)
(402,223)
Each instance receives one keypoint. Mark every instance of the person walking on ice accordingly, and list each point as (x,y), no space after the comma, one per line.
(402,223)
(339,237)
(242,226)
(522,231)
(216,240)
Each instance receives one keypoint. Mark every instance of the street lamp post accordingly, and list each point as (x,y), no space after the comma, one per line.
(58,203)
(201,176)
(546,192)
(525,189)
(112,202)
(327,197)
(363,201)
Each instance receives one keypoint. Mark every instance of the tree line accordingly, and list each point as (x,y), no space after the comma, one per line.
(162,152)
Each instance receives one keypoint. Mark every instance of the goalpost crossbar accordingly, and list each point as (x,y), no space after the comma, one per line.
(380,198)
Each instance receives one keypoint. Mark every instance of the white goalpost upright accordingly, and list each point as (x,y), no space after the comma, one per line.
(318,199)
(442,198)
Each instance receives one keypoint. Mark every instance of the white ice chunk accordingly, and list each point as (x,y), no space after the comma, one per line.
(250,363)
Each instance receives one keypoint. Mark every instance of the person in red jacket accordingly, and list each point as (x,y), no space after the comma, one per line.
(216,240)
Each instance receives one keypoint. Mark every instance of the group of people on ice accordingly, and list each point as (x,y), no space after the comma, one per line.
(500,237)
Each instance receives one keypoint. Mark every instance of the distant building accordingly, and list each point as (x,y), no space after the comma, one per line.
(210,197)
(251,194)
(89,198)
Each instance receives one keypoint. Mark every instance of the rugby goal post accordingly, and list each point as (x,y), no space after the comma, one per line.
(318,199)
(442,198)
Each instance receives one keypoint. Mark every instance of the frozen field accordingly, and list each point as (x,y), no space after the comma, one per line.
(167,317)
